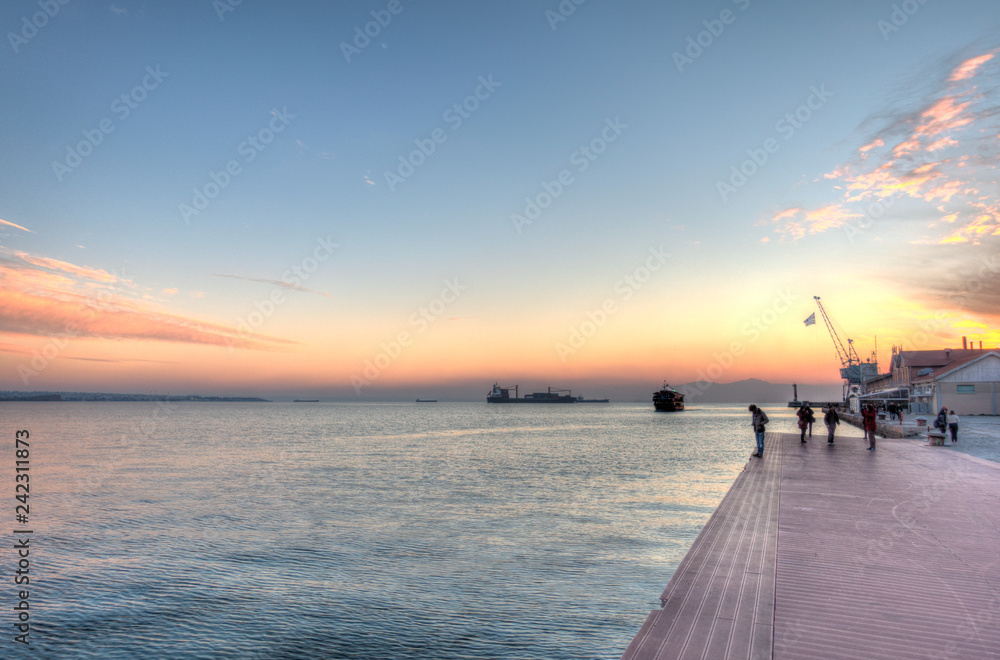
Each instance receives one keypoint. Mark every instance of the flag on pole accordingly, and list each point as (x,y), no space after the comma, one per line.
(811,320)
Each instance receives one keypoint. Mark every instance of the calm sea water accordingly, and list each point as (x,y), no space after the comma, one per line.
(284,530)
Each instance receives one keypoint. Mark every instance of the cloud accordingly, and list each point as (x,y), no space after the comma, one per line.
(968,68)
(938,148)
(29,314)
(281,283)
(796,222)
(967,282)
(11,224)
(41,296)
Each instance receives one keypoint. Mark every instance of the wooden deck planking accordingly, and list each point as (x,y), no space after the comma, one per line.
(838,552)
(886,554)
(710,604)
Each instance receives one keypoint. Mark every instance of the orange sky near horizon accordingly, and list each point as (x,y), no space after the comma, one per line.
(887,208)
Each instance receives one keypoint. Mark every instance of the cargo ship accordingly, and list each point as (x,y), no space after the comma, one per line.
(502,395)
(668,399)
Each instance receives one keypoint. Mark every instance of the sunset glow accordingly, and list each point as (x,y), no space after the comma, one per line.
(272,216)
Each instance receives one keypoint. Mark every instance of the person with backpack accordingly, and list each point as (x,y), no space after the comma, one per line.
(758,421)
(941,423)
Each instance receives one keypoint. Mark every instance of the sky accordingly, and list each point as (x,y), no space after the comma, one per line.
(395,199)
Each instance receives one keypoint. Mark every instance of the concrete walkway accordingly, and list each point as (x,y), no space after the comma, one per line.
(840,552)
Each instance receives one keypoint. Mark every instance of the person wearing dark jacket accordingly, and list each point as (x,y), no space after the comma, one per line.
(942,420)
(810,416)
(831,419)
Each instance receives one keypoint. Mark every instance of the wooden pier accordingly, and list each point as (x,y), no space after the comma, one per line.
(824,551)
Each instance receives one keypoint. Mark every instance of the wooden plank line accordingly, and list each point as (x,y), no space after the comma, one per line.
(722,568)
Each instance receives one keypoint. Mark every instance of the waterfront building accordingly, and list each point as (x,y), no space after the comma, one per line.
(968,385)
(964,379)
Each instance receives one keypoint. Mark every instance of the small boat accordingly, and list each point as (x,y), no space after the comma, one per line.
(668,399)
(306,401)
(580,399)
(427,400)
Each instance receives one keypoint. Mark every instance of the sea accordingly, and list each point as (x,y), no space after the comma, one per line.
(353,530)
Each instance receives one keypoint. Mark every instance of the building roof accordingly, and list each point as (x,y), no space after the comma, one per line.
(955,365)
(940,357)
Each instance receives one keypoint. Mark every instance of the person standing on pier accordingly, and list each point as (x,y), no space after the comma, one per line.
(953,425)
(831,419)
(810,416)
(803,422)
(869,415)
(758,421)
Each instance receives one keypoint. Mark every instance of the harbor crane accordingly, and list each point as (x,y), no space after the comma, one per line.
(852,369)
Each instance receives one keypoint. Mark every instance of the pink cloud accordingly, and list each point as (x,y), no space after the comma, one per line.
(41,296)
(968,68)
(796,222)
(11,224)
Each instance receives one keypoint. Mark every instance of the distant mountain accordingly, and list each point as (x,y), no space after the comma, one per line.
(754,390)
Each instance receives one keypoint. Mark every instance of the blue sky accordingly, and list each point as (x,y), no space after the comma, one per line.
(214,79)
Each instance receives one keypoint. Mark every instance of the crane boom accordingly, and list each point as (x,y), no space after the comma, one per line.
(846,354)
(851,367)
(843,354)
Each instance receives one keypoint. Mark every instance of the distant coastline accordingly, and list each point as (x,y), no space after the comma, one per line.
(110,396)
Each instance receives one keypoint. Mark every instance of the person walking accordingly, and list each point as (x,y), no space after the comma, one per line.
(803,423)
(758,421)
(869,415)
(832,420)
(953,425)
